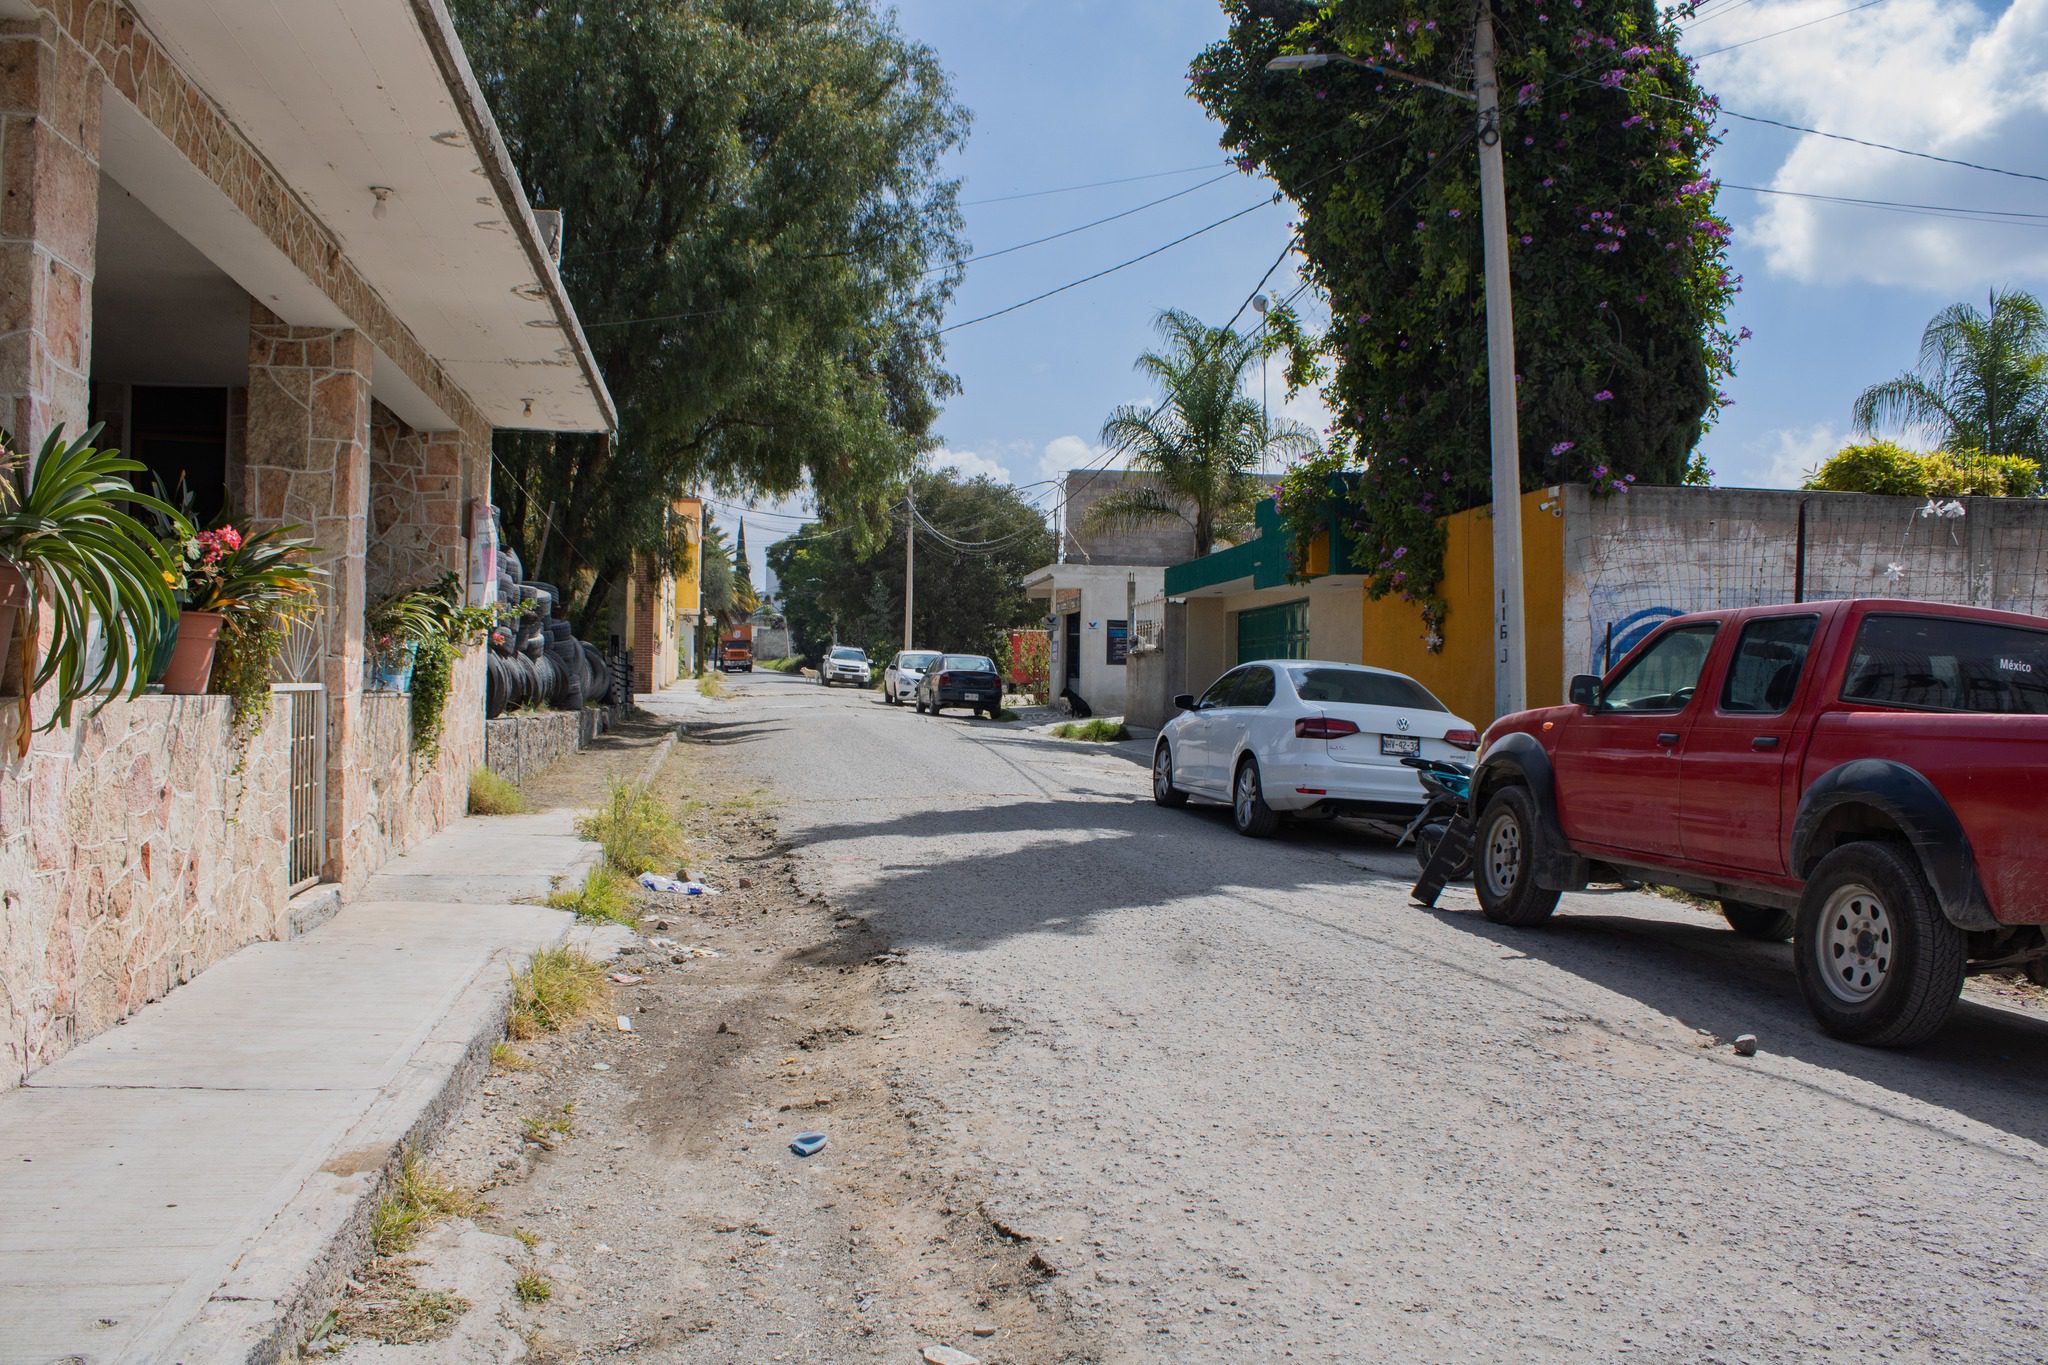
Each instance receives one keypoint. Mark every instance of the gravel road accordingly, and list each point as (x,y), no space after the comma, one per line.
(1253,1105)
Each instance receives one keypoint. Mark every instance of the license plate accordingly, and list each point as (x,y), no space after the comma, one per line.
(972,696)
(1400,746)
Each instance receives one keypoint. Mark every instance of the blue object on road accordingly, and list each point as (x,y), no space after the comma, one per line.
(807,1144)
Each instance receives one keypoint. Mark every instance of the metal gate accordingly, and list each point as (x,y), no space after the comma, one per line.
(1276,632)
(306,840)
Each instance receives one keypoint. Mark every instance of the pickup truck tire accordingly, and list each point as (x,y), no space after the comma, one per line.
(1249,812)
(1760,922)
(1877,960)
(1504,863)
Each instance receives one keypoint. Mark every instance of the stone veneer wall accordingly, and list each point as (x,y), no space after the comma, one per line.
(520,747)
(409,801)
(136,849)
(416,490)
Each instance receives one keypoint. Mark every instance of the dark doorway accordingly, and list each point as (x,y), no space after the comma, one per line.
(1071,650)
(182,434)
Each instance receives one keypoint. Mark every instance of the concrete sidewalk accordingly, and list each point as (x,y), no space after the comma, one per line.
(192,1186)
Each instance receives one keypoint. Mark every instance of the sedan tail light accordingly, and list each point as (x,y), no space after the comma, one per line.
(945,678)
(1323,727)
(1462,739)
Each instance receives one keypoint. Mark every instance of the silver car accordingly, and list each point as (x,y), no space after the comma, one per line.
(905,671)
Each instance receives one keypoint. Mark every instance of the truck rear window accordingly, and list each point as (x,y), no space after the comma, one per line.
(1931,663)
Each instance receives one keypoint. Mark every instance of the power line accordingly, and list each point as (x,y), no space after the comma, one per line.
(1699,18)
(1091,185)
(2011,217)
(1701,56)
(1068,232)
(1723,111)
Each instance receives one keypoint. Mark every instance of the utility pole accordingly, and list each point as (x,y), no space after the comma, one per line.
(909,564)
(1510,655)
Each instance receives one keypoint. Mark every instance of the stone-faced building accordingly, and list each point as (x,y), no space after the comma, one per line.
(277,246)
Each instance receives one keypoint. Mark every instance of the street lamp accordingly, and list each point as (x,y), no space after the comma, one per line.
(1510,657)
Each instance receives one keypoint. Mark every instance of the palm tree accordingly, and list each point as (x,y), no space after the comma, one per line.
(1203,444)
(1981,385)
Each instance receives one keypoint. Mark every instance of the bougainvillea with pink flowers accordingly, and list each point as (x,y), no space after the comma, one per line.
(1621,285)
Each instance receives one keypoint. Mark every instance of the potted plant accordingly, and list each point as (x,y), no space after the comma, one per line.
(397,627)
(69,539)
(242,587)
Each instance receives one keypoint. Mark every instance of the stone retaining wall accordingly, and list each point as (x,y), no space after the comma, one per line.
(517,748)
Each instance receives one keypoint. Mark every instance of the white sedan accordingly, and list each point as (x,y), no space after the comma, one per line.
(1305,737)
(905,671)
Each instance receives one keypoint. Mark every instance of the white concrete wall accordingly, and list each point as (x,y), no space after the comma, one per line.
(1107,592)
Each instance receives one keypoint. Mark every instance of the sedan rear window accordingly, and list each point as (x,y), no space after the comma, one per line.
(968,663)
(1932,663)
(1357,687)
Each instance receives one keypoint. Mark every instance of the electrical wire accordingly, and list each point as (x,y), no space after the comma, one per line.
(1699,18)
(1761,37)
(1091,185)
(2009,217)
(1068,232)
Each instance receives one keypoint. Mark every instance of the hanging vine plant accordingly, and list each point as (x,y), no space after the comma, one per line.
(1617,253)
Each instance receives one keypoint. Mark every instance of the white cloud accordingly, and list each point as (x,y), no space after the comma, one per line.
(1784,458)
(1938,76)
(969,464)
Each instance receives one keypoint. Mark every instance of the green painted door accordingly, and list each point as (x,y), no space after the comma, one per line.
(1275,632)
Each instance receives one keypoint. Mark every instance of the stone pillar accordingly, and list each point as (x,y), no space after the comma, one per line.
(307,453)
(49,224)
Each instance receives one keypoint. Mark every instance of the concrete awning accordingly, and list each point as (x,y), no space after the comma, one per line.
(343,97)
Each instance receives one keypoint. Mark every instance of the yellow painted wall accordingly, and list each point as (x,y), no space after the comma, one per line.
(690,587)
(1461,673)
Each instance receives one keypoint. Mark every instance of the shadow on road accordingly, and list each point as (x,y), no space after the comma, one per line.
(1988,1064)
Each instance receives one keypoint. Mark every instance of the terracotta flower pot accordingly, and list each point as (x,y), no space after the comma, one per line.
(192,657)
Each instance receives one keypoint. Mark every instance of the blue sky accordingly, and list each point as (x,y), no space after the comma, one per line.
(1067,92)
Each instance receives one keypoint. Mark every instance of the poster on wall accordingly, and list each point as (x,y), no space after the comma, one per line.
(1118,640)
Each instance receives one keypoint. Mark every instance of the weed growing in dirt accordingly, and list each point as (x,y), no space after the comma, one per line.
(529,1240)
(384,1304)
(559,986)
(532,1287)
(548,1130)
(638,833)
(605,897)
(490,794)
(711,684)
(505,1057)
(419,1198)
(1094,731)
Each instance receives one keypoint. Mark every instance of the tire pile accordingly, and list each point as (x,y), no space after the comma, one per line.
(536,658)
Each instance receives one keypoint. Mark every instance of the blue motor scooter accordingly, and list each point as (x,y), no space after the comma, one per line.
(1449,787)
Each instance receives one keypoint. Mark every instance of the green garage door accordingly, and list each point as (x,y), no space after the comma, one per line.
(1276,632)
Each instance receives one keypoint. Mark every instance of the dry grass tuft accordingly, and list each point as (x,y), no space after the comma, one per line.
(419,1198)
(559,987)
(490,794)
(637,832)
(605,897)
(384,1304)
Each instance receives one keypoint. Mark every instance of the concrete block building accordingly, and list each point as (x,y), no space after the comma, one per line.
(277,247)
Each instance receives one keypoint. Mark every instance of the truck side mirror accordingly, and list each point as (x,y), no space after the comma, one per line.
(1184,701)
(1585,691)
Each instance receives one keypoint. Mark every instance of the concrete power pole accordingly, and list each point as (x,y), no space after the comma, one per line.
(1510,655)
(909,565)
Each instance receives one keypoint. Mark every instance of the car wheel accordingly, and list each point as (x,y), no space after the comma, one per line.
(1877,960)
(919,699)
(1248,809)
(1759,922)
(1504,861)
(1163,790)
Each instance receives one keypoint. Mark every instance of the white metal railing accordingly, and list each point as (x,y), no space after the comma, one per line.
(306,833)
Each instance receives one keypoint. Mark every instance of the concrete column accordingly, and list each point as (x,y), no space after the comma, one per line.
(49,224)
(307,453)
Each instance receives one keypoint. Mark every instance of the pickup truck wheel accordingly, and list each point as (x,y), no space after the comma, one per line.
(1877,960)
(1504,861)
(1759,921)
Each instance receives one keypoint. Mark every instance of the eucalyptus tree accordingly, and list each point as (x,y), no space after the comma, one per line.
(759,241)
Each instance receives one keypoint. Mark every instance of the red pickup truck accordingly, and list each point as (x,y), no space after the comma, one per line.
(1865,778)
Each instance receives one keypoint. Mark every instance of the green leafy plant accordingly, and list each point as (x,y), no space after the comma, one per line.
(533,1288)
(1888,468)
(69,523)
(638,833)
(259,582)
(605,897)
(1094,731)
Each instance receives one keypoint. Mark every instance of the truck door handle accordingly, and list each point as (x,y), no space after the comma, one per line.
(1669,737)
(1764,742)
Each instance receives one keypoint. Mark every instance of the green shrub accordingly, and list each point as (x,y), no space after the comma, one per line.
(1953,474)
(1094,731)
(490,794)
(1874,467)
(605,897)
(638,834)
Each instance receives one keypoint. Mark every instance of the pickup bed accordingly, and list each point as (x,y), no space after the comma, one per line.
(1862,777)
